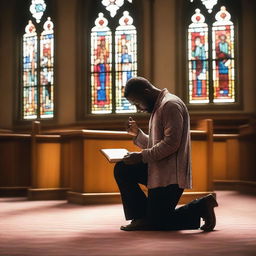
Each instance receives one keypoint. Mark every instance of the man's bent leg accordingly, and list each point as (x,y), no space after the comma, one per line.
(203,207)
(128,178)
(161,205)
(162,202)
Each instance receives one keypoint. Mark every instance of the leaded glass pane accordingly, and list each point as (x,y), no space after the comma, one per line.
(101,67)
(125,60)
(223,57)
(112,6)
(198,59)
(37,9)
(30,102)
(209,4)
(46,74)
(30,72)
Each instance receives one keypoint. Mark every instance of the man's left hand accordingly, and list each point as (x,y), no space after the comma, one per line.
(133,158)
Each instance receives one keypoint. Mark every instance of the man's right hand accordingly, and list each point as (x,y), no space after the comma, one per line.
(132,127)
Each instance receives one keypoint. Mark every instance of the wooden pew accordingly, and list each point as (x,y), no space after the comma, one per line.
(48,178)
(226,157)
(234,165)
(15,168)
(71,161)
(92,178)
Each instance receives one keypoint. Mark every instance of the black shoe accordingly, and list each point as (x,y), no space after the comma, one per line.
(139,224)
(207,205)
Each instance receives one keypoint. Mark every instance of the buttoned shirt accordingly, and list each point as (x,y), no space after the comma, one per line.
(166,149)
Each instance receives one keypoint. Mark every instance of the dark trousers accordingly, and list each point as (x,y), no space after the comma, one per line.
(158,207)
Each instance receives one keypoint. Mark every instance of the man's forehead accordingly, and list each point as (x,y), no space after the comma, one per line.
(134,98)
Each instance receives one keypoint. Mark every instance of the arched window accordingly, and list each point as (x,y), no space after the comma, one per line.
(37,65)
(211,55)
(113,58)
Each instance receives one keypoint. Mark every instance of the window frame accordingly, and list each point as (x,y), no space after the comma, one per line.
(186,9)
(21,20)
(87,13)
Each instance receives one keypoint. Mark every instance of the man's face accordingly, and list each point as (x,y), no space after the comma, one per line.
(142,103)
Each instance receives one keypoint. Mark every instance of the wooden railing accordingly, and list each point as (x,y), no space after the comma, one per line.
(234,161)
(71,161)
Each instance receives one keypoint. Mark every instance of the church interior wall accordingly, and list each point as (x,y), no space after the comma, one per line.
(159,57)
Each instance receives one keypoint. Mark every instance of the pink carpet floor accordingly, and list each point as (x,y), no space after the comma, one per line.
(53,228)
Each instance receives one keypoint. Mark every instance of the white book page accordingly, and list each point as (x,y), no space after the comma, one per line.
(114,154)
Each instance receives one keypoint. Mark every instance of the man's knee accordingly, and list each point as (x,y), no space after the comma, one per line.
(119,170)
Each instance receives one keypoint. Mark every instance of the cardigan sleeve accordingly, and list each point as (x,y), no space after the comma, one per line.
(173,127)
(141,140)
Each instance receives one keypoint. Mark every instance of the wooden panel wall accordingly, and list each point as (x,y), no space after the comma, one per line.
(234,157)
(92,175)
(15,160)
(98,171)
(199,165)
(234,161)
(247,140)
(48,165)
(72,160)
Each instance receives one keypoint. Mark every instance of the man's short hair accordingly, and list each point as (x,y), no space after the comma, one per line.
(136,85)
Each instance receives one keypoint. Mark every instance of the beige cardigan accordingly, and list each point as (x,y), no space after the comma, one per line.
(167,147)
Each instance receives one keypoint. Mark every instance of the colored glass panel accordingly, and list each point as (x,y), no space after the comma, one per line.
(37,9)
(101,67)
(125,60)
(223,57)
(209,4)
(112,5)
(30,102)
(30,72)
(198,59)
(46,70)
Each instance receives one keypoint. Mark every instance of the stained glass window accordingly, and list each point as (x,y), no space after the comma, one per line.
(113,61)
(38,61)
(37,9)
(113,5)
(198,59)
(30,72)
(208,4)
(46,72)
(101,66)
(125,60)
(211,60)
(223,57)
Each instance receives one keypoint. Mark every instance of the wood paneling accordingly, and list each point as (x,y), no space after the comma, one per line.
(72,159)
(220,160)
(199,166)
(226,157)
(77,165)
(65,164)
(98,171)
(15,159)
(233,159)
(92,174)
(48,165)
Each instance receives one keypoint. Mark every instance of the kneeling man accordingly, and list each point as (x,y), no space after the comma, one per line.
(163,165)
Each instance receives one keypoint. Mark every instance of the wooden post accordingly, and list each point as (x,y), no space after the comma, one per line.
(207,125)
(209,129)
(36,129)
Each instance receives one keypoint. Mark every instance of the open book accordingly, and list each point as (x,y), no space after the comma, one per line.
(114,154)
